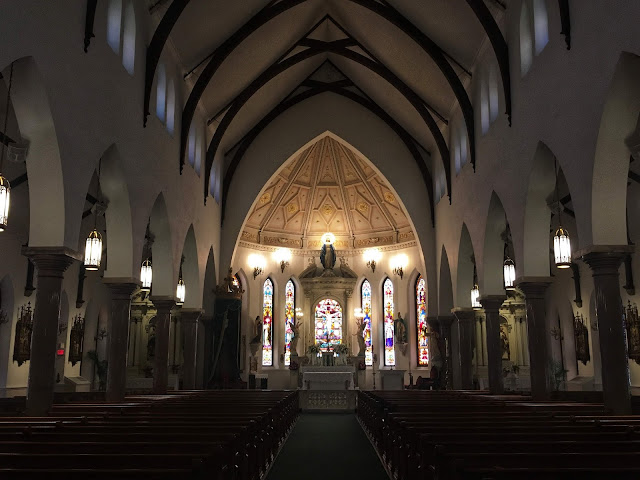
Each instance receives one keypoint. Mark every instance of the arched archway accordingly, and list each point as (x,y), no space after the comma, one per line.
(611,162)
(464,277)
(190,271)
(164,278)
(445,288)
(490,270)
(44,167)
(368,136)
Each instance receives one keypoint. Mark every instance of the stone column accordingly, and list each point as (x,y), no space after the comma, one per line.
(118,328)
(445,322)
(483,341)
(491,305)
(466,328)
(163,320)
(605,261)
(534,289)
(51,263)
(190,319)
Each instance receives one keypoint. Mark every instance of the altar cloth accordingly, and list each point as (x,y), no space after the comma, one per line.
(327,381)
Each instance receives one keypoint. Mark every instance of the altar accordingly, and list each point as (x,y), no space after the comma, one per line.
(328,388)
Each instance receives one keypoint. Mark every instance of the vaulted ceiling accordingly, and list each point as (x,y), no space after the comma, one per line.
(327,188)
(408,61)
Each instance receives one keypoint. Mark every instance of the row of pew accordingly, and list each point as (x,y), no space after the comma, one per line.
(448,435)
(219,435)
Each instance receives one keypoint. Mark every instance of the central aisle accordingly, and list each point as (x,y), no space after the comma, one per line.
(327,446)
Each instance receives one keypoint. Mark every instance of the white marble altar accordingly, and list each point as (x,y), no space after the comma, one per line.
(392,379)
(327,380)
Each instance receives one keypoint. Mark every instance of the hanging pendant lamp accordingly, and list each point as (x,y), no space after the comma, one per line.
(561,240)
(509,269)
(5,187)
(475,291)
(146,275)
(181,288)
(93,245)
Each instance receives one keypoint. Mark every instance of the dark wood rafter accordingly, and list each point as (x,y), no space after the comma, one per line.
(565,21)
(500,48)
(219,55)
(338,89)
(336,47)
(438,56)
(155,48)
(16,182)
(90,17)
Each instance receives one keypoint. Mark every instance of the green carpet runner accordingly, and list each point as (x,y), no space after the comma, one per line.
(325,446)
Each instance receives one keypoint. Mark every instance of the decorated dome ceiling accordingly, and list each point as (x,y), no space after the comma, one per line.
(327,188)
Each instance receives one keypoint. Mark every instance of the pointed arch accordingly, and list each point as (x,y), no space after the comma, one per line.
(114,25)
(526,39)
(267,323)
(388,307)
(445,288)
(164,278)
(171,106)
(540,25)
(115,189)
(422,329)
(289,319)
(611,162)
(129,38)
(464,276)
(161,93)
(190,271)
(366,304)
(47,223)
(493,253)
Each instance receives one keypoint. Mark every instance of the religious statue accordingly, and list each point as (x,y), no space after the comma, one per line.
(257,330)
(400,329)
(295,327)
(328,256)
(504,341)
(360,326)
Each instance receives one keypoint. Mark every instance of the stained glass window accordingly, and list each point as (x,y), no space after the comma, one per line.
(389,352)
(289,314)
(267,323)
(366,311)
(236,281)
(328,321)
(421,318)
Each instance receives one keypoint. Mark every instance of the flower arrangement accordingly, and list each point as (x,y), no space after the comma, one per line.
(294,365)
(341,349)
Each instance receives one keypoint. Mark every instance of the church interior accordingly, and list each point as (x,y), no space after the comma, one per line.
(285,239)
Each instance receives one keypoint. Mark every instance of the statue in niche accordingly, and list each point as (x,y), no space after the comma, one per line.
(257,330)
(400,329)
(328,256)
(360,326)
(504,341)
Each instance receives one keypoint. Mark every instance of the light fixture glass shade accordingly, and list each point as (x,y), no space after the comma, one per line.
(5,197)
(282,255)
(475,297)
(93,251)
(372,255)
(180,292)
(562,248)
(146,275)
(328,238)
(399,262)
(256,261)
(509,274)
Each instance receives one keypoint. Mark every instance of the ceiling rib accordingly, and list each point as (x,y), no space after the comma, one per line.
(326,47)
(364,102)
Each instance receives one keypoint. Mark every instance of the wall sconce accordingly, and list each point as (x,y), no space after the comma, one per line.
(372,256)
(282,256)
(358,314)
(257,263)
(299,313)
(399,264)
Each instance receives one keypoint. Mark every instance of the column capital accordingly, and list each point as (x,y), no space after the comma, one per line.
(190,315)
(433,322)
(51,261)
(604,259)
(533,287)
(121,288)
(163,304)
(492,302)
(445,320)
(464,315)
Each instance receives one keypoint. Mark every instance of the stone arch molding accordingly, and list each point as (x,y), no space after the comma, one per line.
(357,129)
(44,165)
